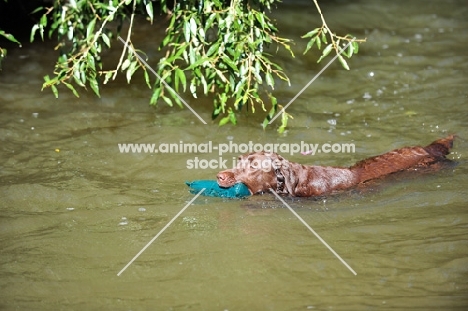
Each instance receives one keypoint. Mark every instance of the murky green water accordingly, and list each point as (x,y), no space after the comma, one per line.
(71,220)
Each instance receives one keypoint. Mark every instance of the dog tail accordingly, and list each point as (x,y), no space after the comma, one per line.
(403,159)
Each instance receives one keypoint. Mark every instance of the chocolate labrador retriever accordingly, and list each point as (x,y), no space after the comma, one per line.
(262,171)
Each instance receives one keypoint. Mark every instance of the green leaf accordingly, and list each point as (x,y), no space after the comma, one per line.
(94,86)
(325,52)
(230,63)
(310,44)
(131,70)
(205,85)
(232,117)
(193,88)
(106,40)
(172,22)
(77,76)
(180,75)
(198,62)
(40,8)
(265,122)
(269,80)
(91,63)
(187,31)
(210,20)
(71,88)
(90,28)
(343,62)
(167,100)
(284,122)
(155,96)
(319,42)
(185,55)
(224,121)
(9,37)
(48,82)
(192,55)
(256,73)
(174,97)
(311,33)
(125,64)
(201,34)
(149,10)
(350,50)
(223,100)
(239,87)
(54,90)
(260,17)
(213,49)
(33,32)
(355,47)
(193,27)
(43,21)
(166,40)
(82,72)
(324,37)
(147,78)
(107,76)
(70,32)
(216,111)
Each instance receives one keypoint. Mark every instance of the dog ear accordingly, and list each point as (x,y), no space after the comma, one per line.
(281,169)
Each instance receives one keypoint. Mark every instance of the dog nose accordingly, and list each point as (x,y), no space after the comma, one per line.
(221,176)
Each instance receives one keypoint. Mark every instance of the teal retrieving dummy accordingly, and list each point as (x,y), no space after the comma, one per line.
(212,189)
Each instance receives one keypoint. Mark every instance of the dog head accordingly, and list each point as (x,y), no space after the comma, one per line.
(258,171)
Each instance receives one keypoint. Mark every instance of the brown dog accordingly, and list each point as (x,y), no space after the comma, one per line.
(262,171)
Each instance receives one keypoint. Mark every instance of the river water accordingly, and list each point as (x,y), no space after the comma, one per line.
(74,210)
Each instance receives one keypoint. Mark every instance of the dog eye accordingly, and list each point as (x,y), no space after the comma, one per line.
(255,164)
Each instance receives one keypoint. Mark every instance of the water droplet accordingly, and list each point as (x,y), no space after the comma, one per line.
(123,221)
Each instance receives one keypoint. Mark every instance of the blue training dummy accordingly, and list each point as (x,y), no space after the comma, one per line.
(212,189)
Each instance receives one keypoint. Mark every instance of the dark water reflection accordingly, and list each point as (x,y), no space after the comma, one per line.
(74,210)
